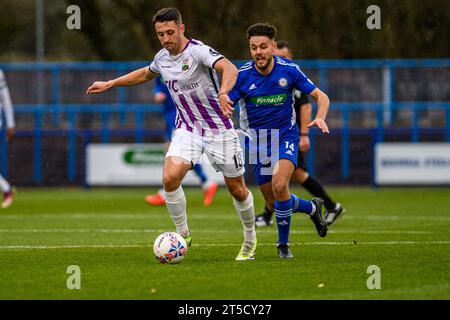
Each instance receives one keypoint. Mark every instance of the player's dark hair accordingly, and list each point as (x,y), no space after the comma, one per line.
(281,44)
(262,29)
(168,14)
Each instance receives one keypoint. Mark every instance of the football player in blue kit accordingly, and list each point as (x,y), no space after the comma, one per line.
(303,108)
(265,88)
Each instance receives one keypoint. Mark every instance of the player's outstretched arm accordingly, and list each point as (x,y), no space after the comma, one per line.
(229,76)
(131,79)
(323,104)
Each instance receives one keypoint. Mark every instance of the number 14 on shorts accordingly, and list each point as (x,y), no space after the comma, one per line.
(290,145)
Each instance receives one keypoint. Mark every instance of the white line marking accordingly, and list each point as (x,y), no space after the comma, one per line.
(395,218)
(338,231)
(74,247)
(80,230)
(343,243)
(150,216)
(57,216)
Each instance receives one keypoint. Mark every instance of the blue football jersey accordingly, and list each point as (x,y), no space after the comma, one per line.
(267,102)
(160,87)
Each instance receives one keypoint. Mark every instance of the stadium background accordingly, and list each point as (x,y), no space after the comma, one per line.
(391,84)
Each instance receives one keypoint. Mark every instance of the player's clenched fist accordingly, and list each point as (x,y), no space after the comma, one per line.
(99,87)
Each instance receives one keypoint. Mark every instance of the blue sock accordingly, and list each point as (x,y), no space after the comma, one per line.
(199,171)
(300,205)
(283,213)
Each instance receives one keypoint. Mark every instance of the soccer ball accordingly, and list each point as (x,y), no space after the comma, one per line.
(170,247)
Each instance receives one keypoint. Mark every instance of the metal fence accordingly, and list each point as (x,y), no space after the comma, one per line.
(380,99)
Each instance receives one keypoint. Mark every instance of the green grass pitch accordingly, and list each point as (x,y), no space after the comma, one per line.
(109,234)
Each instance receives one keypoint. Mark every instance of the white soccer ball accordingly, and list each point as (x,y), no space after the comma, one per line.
(170,247)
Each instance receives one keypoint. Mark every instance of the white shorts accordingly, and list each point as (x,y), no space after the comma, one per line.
(223,150)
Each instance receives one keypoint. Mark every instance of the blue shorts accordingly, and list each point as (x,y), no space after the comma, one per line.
(263,156)
(170,118)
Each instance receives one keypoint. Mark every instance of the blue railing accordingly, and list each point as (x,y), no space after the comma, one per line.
(57,109)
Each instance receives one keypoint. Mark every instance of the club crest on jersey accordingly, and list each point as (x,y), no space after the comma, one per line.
(185,66)
(283,82)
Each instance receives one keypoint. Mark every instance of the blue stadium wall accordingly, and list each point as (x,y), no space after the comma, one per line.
(372,101)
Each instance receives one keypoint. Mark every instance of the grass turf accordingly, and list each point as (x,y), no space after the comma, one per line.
(109,233)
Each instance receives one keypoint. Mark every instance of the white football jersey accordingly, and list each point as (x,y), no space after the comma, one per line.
(193,85)
(5,103)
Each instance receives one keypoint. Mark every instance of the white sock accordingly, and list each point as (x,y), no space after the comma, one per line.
(161,193)
(4,185)
(176,205)
(207,184)
(246,212)
(313,208)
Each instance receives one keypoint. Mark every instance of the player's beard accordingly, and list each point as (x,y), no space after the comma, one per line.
(169,47)
(266,65)
(174,47)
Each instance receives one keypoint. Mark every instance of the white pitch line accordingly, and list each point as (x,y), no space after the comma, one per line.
(118,216)
(149,216)
(80,230)
(351,243)
(339,243)
(74,247)
(397,218)
(81,215)
(343,231)
(343,243)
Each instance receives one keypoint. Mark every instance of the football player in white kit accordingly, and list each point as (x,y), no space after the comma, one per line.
(189,69)
(7,107)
